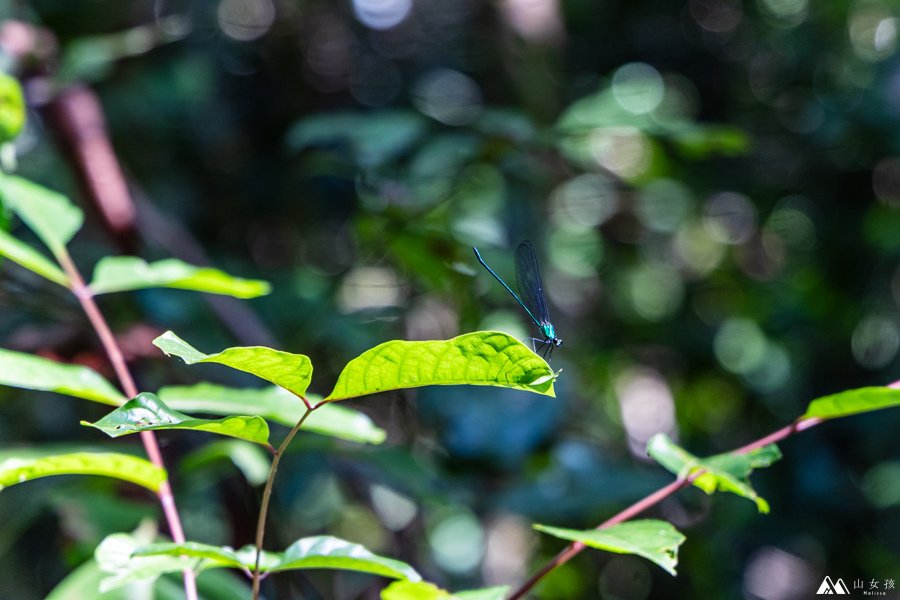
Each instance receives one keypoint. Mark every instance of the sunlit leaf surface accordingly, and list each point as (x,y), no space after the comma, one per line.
(480,358)
(29,465)
(290,371)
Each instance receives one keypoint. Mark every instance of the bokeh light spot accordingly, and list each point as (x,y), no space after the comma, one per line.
(647,406)
(577,254)
(585,202)
(875,341)
(664,204)
(536,20)
(382,14)
(740,345)
(886,180)
(245,20)
(787,13)
(697,249)
(448,96)
(873,31)
(457,541)
(881,484)
(681,101)
(791,225)
(509,543)
(638,87)
(368,288)
(773,574)
(773,372)
(507,322)
(623,150)
(656,291)
(716,16)
(730,217)
(395,510)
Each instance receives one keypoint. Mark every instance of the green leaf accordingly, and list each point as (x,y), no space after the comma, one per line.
(657,541)
(291,371)
(250,459)
(327,552)
(703,141)
(26,256)
(22,370)
(344,423)
(19,467)
(115,555)
(215,556)
(372,138)
(422,590)
(49,214)
(146,412)
(414,590)
(319,552)
(275,404)
(121,273)
(727,472)
(84,582)
(853,402)
(491,593)
(480,358)
(122,576)
(12,108)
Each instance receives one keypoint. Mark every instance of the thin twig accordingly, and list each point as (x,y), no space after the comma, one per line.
(267,494)
(570,551)
(114,352)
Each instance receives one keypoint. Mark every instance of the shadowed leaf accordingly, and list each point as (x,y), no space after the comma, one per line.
(655,540)
(49,214)
(26,256)
(122,273)
(252,461)
(275,404)
(728,472)
(21,370)
(319,552)
(146,412)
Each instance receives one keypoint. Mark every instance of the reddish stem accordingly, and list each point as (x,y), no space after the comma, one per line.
(114,352)
(570,551)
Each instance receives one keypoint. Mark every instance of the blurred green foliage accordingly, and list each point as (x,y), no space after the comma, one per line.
(714,187)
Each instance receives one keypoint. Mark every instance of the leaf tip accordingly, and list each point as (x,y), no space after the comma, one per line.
(160,340)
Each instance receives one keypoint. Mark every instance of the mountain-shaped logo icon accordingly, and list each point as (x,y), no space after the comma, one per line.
(833,587)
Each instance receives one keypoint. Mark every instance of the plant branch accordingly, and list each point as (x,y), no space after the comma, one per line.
(267,494)
(114,352)
(570,551)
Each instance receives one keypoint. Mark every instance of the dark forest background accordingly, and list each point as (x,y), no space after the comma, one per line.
(713,188)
